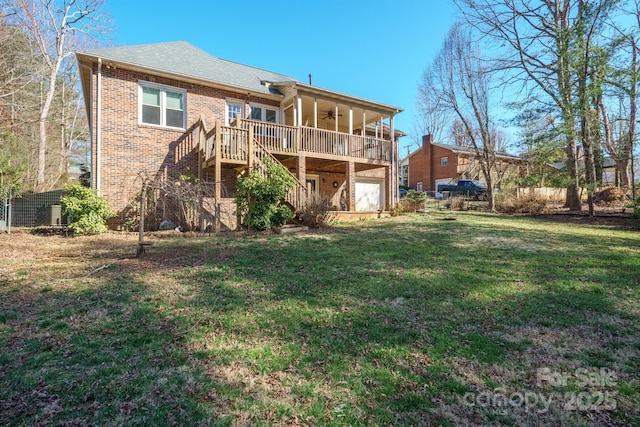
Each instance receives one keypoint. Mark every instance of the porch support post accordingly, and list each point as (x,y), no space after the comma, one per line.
(315,113)
(388,184)
(295,111)
(350,186)
(301,170)
(217,175)
(350,120)
(299,102)
(250,150)
(336,117)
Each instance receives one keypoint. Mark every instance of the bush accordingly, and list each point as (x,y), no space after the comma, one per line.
(316,211)
(457,203)
(86,211)
(259,197)
(530,204)
(413,201)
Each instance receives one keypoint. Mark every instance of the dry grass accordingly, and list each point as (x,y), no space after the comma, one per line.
(298,330)
(525,204)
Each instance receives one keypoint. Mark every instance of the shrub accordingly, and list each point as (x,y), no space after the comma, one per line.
(457,203)
(413,201)
(86,211)
(529,203)
(316,211)
(259,197)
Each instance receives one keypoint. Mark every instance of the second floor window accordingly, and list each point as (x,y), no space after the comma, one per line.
(263,114)
(444,162)
(162,106)
(233,111)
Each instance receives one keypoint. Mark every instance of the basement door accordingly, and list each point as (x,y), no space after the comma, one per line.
(369,195)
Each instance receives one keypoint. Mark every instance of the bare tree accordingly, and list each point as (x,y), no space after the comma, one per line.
(432,119)
(536,36)
(53,26)
(459,82)
(619,115)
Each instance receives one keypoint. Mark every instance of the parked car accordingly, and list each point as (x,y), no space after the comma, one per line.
(402,192)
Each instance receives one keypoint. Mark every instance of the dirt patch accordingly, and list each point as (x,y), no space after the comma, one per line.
(612,216)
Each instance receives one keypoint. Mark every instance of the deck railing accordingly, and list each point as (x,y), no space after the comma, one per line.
(297,196)
(274,137)
(281,139)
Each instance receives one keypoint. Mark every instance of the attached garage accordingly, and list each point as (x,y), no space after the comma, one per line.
(369,194)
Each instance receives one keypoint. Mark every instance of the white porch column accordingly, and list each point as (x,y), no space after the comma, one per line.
(364,122)
(295,113)
(299,102)
(350,120)
(315,113)
(336,117)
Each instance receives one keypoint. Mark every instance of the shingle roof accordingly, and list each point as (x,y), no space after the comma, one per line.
(184,59)
(471,150)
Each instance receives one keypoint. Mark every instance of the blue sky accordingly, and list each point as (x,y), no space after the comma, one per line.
(371,49)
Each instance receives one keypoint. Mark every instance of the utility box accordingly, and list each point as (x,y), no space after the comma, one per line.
(54,216)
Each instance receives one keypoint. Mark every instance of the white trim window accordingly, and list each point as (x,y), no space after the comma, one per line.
(444,162)
(263,113)
(161,105)
(234,110)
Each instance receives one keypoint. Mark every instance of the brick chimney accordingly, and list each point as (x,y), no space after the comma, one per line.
(426,141)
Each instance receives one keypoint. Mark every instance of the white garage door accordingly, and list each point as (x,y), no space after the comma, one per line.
(369,195)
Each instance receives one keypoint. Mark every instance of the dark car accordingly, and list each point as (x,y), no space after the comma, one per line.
(402,192)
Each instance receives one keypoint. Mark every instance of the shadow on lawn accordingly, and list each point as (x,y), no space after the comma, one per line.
(335,327)
(94,354)
(401,306)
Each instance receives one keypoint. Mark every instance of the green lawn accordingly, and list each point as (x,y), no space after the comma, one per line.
(404,321)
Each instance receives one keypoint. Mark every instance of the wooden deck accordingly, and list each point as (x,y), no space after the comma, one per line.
(235,143)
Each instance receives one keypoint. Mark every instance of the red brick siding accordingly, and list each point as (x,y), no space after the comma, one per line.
(425,165)
(129,149)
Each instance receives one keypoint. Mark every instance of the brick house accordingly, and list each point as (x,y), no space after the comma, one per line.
(170,108)
(435,163)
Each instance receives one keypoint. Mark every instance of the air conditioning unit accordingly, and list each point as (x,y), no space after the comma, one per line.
(54,216)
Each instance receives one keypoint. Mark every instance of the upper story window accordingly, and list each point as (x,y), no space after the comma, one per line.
(258,112)
(444,162)
(263,113)
(233,111)
(162,105)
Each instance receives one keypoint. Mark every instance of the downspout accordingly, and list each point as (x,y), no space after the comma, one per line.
(98,124)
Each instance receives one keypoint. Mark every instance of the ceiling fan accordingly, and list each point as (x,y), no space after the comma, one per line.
(331,115)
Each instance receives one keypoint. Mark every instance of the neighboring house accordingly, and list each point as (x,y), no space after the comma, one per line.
(170,108)
(435,163)
(609,170)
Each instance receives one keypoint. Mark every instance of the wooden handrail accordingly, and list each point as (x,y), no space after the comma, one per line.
(275,138)
(298,194)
